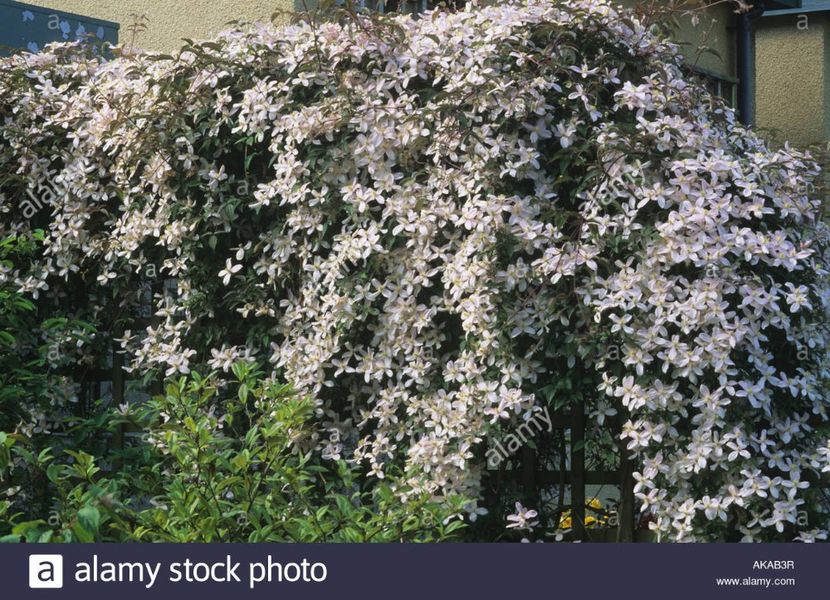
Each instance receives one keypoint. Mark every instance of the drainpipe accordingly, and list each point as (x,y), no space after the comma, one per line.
(744,57)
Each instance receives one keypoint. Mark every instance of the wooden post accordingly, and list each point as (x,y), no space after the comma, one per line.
(529,477)
(118,392)
(157,386)
(578,470)
(625,529)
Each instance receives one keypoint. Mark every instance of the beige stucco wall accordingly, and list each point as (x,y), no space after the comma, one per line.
(712,32)
(171,20)
(791,63)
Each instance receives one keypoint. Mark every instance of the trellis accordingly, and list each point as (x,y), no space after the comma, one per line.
(93,382)
(578,476)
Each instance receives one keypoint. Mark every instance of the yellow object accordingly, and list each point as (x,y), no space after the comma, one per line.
(565,521)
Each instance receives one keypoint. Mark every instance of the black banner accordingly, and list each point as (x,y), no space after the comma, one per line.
(421,572)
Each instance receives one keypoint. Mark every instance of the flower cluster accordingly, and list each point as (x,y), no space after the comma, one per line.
(421,223)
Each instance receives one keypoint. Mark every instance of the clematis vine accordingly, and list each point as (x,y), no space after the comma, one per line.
(423,223)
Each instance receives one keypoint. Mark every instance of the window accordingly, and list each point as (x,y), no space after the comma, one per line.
(388,6)
(29,27)
(412,7)
(723,86)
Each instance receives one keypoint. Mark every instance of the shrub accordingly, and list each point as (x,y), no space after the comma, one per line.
(215,461)
(435,227)
(36,398)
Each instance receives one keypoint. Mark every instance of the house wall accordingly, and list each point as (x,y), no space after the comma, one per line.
(792,86)
(171,20)
(713,33)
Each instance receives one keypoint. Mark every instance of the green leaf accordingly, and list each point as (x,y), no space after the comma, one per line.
(53,473)
(25,527)
(89,518)
(81,534)
(240,462)
(5,455)
(344,505)
(454,526)
(45,537)
(190,424)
